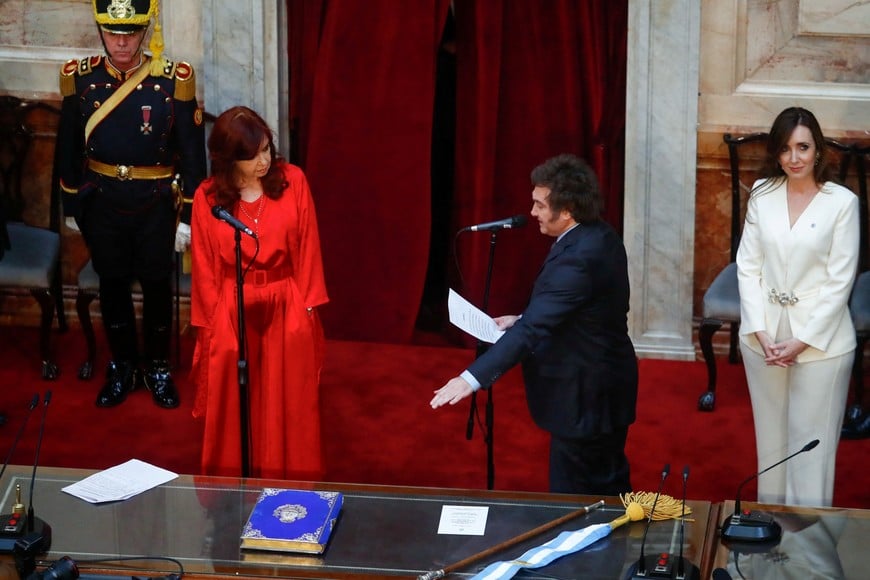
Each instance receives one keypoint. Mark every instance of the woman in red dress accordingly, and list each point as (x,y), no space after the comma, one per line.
(283,285)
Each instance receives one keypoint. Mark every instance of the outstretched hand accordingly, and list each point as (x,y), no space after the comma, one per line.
(454,391)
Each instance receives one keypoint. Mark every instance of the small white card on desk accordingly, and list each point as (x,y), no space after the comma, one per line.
(120,482)
(463,520)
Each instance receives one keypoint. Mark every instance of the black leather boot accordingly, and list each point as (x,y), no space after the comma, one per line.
(160,383)
(120,381)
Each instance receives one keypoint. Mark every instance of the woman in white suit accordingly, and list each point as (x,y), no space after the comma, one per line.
(796,264)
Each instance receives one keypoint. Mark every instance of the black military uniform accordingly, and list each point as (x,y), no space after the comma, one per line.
(122,166)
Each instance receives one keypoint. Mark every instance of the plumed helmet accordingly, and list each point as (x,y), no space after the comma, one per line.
(124,16)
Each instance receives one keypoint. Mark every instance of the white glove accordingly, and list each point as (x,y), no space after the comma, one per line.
(182,237)
(71,224)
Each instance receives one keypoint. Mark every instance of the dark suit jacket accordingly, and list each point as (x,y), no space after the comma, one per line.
(579,365)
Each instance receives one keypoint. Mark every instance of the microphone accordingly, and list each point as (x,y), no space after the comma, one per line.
(28,529)
(516,221)
(31,519)
(638,570)
(13,524)
(220,213)
(694,571)
(33,403)
(751,526)
(662,565)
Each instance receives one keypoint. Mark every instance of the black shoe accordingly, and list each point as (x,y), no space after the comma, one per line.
(120,381)
(159,382)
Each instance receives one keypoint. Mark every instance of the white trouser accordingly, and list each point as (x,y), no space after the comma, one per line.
(791,407)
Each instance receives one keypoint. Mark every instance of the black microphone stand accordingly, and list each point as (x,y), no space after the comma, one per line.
(242,362)
(490,408)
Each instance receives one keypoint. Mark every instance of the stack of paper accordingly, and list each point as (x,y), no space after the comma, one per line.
(120,482)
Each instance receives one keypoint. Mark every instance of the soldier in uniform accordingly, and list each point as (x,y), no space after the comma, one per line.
(129,144)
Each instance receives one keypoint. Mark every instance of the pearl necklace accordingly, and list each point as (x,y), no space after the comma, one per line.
(255,219)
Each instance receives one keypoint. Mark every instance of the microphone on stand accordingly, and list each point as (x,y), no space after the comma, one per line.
(33,403)
(662,565)
(752,526)
(220,213)
(516,221)
(693,571)
(27,528)
(638,570)
(31,519)
(13,524)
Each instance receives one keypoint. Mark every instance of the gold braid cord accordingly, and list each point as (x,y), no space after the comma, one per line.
(156,45)
(667,508)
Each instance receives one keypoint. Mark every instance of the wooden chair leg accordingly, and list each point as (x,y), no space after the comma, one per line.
(57,291)
(46,305)
(83,303)
(708,328)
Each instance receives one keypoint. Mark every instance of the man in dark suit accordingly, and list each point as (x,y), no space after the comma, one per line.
(579,365)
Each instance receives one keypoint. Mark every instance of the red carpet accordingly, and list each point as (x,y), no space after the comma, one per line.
(378,427)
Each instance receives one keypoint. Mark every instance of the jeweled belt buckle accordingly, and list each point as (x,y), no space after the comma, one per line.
(260,278)
(124,172)
(782,298)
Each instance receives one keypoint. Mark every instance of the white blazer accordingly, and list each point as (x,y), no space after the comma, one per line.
(812,264)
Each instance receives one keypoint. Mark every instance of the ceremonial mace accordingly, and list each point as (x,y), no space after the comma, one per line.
(633,512)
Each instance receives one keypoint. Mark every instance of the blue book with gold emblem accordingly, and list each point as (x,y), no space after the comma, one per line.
(292,520)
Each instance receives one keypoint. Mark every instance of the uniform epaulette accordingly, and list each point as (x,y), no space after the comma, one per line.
(76,67)
(185,81)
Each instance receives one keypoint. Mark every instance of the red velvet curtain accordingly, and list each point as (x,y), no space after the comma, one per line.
(533,79)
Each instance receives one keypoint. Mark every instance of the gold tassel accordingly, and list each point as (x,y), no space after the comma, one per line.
(667,508)
(156,45)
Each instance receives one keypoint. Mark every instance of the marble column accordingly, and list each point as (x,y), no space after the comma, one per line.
(244,47)
(660,161)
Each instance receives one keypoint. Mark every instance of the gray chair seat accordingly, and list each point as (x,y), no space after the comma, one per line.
(31,260)
(722,299)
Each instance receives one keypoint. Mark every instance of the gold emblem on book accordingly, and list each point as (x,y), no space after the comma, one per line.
(289,513)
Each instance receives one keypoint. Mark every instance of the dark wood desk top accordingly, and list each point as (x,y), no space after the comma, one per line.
(383,531)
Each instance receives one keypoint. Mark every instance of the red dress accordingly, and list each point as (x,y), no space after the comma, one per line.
(284,341)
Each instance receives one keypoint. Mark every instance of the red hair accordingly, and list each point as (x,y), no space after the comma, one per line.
(238,135)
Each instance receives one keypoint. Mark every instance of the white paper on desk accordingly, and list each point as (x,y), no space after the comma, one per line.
(463,520)
(471,319)
(120,482)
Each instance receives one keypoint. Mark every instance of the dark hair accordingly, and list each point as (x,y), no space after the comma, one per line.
(780,132)
(573,186)
(237,135)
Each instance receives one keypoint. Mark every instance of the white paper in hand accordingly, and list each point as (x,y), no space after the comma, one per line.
(471,319)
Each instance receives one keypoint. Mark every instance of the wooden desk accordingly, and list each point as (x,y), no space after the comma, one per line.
(816,543)
(383,531)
